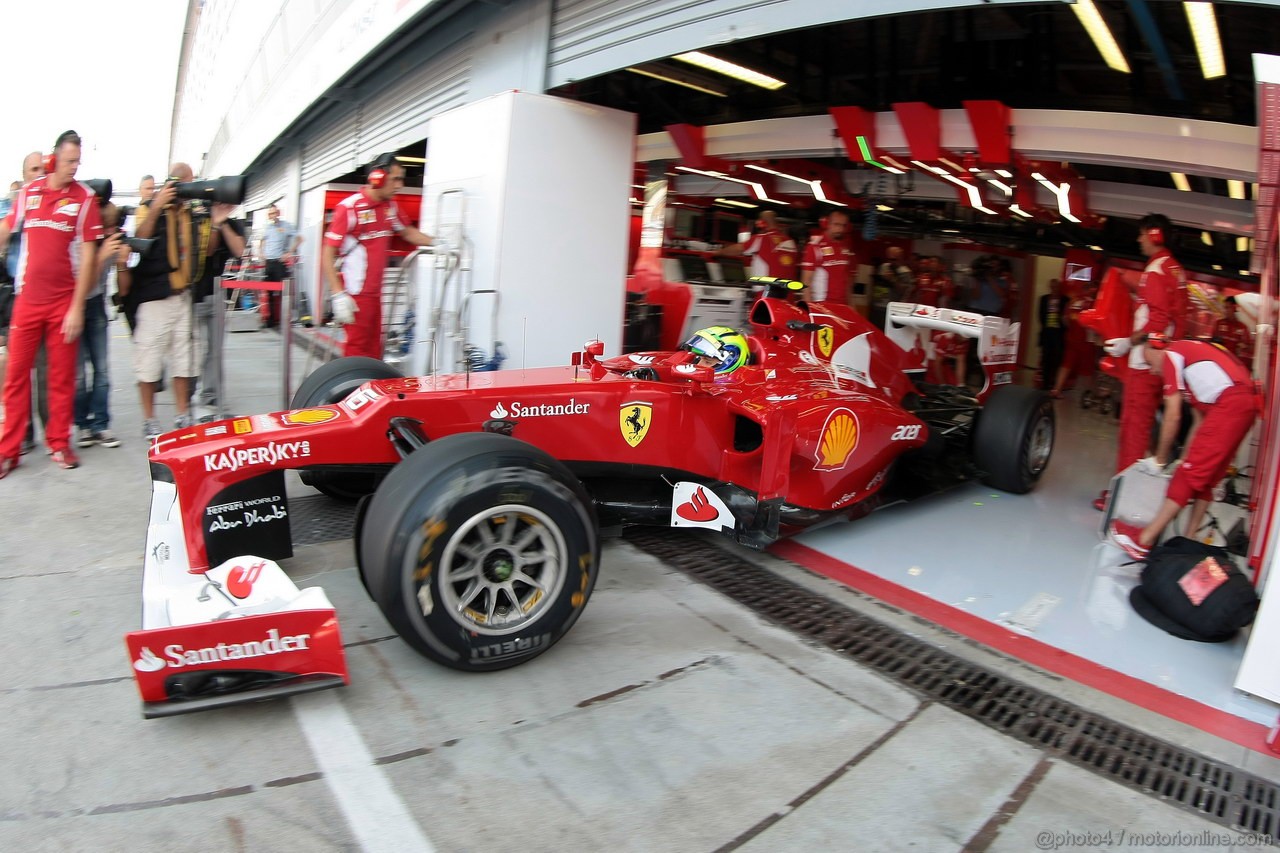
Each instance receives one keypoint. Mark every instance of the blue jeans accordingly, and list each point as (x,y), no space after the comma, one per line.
(91,400)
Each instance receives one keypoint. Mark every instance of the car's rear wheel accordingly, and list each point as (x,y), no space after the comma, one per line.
(480,550)
(328,384)
(1013,439)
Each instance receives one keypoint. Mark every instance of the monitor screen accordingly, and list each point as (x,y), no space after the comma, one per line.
(1079,272)
(694,269)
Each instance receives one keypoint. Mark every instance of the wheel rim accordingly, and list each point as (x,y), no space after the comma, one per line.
(501,570)
(1039,446)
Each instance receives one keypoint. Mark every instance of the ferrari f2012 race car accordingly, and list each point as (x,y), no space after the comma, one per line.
(481,495)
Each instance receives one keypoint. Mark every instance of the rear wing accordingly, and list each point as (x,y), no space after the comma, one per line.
(912,328)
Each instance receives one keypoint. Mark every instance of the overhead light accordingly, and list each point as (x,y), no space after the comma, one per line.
(730,69)
(404,159)
(756,188)
(1204,29)
(883,208)
(676,79)
(1013,208)
(1235,189)
(975,196)
(734,203)
(1242,244)
(1180,181)
(950,231)
(815,187)
(1061,192)
(1004,173)
(892,162)
(1001,185)
(1253,191)
(953,165)
(1096,248)
(1098,30)
(865,149)
(1218,267)
(1206,238)
(1247,272)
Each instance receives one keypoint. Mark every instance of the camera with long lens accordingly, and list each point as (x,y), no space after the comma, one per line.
(229,189)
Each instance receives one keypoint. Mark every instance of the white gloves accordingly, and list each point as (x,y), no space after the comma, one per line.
(1117,347)
(1149,465)
(344,308)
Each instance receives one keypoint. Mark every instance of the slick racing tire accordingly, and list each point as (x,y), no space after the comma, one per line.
(480,550)
(328,384)
(1013,440)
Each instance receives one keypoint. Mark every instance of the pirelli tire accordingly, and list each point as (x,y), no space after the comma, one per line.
(1013,439)
(328,384)
(481,551)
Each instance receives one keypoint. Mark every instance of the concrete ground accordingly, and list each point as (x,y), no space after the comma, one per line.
(670,718)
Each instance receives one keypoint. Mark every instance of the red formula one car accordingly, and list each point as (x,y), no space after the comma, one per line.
(481,494)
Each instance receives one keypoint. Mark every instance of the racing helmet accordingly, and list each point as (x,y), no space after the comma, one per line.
(727,346)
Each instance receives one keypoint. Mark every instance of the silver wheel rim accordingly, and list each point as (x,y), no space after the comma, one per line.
(502,569)
(1040,445)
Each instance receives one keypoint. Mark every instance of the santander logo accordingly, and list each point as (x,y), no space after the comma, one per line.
(697,508)
(148,661)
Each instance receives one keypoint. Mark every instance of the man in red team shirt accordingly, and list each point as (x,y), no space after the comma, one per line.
(1234,335)
(828,263)
(1224,403)
(1160,305)
(771,249)
(60,234)
(360,233)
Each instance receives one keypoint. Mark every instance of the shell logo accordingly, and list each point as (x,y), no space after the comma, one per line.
(838,441)
(308,417)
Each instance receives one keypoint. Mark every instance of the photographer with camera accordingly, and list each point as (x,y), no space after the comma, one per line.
(360,233)
(61,229)
(93,418)
(185,233)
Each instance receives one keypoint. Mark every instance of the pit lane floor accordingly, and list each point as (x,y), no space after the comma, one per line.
(670,718)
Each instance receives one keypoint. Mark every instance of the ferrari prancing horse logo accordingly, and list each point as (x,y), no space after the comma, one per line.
(826,335)
(634,419)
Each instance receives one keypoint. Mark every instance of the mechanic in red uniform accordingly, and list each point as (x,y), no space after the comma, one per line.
(360,233)
(1234,335)
(60,233)
(829,263)
(1081,358)
(771,249)
(1224,403)
(1160,305)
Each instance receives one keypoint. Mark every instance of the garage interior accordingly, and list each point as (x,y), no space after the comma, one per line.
(1031,576)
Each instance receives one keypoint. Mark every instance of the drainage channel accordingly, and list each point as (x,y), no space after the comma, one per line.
(1215,791)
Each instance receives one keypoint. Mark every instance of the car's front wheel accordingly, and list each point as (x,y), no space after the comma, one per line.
(480,550)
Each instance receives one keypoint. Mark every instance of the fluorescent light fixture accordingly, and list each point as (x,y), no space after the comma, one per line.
(883,208)
(953,165)
(1180,181)
(1096,248)
(734,203)
(865,148)
(1098,30)
(403,159)
(1206,238)
(756,188)
(1204,29)
(730,69)
(1247,272)
(815,187)
(1004,173)
(975,196)
(1242,244)
(1061,193)
(892,162)
(1235,189)
(676,80)
(1001,185)
(1018,210)
(1218,267)
(1253,191)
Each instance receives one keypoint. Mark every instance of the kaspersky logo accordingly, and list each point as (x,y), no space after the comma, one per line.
(177,656)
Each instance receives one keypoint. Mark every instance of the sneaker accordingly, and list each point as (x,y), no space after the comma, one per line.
(151,428)
(1100,502)
(86,437)
(1126,536)
(106,438)
(65,459)
(182,421)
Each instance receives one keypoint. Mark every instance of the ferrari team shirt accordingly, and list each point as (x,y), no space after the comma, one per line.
(361,230)
(55,224)
(1201,371)
(831,265)
(1235,336)
(772,254)
(1161,303)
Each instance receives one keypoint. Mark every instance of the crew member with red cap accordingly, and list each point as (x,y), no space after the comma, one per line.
(1224,403)
(828,263)
(360,233)
(771,249)
(1160,305)
(61,229)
